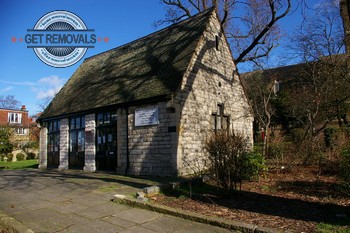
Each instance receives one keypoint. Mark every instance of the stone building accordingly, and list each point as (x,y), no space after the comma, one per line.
(145,108)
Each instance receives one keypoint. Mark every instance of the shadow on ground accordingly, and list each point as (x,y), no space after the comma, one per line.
(277,206)
(77,178)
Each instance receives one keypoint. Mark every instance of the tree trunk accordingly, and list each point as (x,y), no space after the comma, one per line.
(345,14)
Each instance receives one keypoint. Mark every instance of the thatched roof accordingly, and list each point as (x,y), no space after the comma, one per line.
(151,66)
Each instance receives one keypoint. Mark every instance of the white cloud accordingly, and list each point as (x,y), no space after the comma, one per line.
(6,89)
(52,81)
(48,87)
(19,83)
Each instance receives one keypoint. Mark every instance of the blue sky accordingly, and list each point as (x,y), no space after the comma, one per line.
(29,79)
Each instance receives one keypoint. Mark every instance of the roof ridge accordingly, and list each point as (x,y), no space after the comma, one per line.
(199,14)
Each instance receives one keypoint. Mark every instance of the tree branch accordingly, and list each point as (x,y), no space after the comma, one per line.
(274,19)
(179,4)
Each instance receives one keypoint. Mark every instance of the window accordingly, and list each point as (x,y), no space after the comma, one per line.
(53,144)
(77,134)
(14,117)
(106,118)
(276,87)
(21,131)
(219,120)
(217,42)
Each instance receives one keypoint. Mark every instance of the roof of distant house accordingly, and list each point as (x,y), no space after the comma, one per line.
(286,73)
(22,109)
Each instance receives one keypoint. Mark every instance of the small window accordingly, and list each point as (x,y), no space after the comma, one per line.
(219,120)
(217,42)
(276,87)
(106,118)
(14,117)
(53,126)
(72,123)
(21,131)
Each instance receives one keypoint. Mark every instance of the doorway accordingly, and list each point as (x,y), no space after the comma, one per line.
(77,142)
(53,144)
(106,141)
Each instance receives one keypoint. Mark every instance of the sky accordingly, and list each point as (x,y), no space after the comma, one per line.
(26,77)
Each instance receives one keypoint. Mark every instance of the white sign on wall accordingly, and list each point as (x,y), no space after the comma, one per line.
(146,116)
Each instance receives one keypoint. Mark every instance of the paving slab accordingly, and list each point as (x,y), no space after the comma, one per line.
(94,226)
(138,216)
(104,210)
(118,221)
(166,224)
(47,220)
(137,229)
(74,201)
(200,228)
(68,207)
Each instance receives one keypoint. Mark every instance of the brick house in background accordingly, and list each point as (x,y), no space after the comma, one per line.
(19,123)
(146,107)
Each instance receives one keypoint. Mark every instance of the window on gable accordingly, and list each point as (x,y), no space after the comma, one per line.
(217,42)
(220,121)
(14,117)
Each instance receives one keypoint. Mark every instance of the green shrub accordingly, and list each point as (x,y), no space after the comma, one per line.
(20,157)
(230,161)
(9,157)
(275,150)
(344,166)
(31,155)
(30,145)
(254,165)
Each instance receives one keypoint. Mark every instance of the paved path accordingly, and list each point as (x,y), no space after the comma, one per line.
(74,201)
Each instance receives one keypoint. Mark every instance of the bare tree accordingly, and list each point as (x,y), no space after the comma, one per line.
(261,92)
(251,34)
(320,93)
(320,35)
(9,102)
(345,13)
(45,102)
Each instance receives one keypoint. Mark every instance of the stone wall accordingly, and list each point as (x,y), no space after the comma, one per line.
(152,148)
(64,143)
(43,148)
(122,141)
(90,148)
(210,80)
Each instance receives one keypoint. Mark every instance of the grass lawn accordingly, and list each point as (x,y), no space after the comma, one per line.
(328,228)
(33,163)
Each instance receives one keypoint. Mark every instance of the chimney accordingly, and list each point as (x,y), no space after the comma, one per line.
(23,108)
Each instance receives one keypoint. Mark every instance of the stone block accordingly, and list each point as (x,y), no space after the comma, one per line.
(151,190)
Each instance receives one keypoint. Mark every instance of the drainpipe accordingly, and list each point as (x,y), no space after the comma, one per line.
(127,141)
